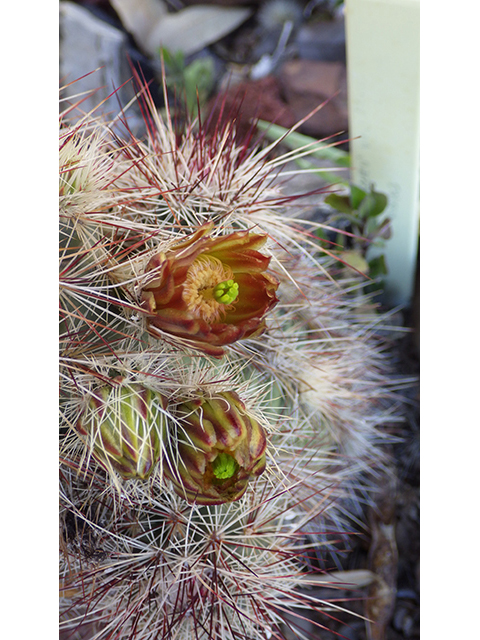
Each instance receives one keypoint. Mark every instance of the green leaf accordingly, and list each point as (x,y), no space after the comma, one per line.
(340,203)
(340,240)
(356,196)
(325,174)
(373,204)
(378,267)
(371,227)
(174,62)
(295,140)
(321,234)
(199,76)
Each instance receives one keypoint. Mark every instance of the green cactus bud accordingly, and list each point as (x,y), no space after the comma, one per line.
(124,427)
(219,448)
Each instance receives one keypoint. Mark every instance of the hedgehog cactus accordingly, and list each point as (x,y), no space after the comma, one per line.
(222,389)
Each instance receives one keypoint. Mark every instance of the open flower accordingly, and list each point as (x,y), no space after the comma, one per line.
(211,291)
(218,448)
(124,427)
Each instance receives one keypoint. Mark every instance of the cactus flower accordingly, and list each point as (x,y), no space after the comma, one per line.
(220,447)
(124,426)
(211,291)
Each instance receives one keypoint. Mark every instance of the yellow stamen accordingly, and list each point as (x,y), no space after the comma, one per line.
(208,288)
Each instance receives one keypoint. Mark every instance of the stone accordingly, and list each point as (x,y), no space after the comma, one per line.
(223,3)
(94,66)
(306,84)
(192,28)
(323,40)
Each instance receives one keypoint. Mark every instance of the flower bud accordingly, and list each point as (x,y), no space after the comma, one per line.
(124,427)
(220,447)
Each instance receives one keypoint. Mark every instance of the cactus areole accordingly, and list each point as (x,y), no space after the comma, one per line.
(220,447)
(210,291)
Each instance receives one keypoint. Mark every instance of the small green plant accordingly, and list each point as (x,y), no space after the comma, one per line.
(361,211)
(194,82)
(358,212)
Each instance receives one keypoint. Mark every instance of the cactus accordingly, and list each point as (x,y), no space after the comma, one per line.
(224,390)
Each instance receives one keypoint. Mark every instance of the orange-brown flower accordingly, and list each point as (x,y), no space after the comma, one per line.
(211,291)
(218,448)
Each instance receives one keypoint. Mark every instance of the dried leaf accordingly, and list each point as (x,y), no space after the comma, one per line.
(353,579)
(383,562)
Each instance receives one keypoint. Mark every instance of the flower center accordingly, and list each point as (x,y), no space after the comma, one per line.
(224,466)
(208,288)
(226,292)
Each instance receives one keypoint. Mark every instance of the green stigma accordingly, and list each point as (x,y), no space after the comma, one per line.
(226,292)
(224,466)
